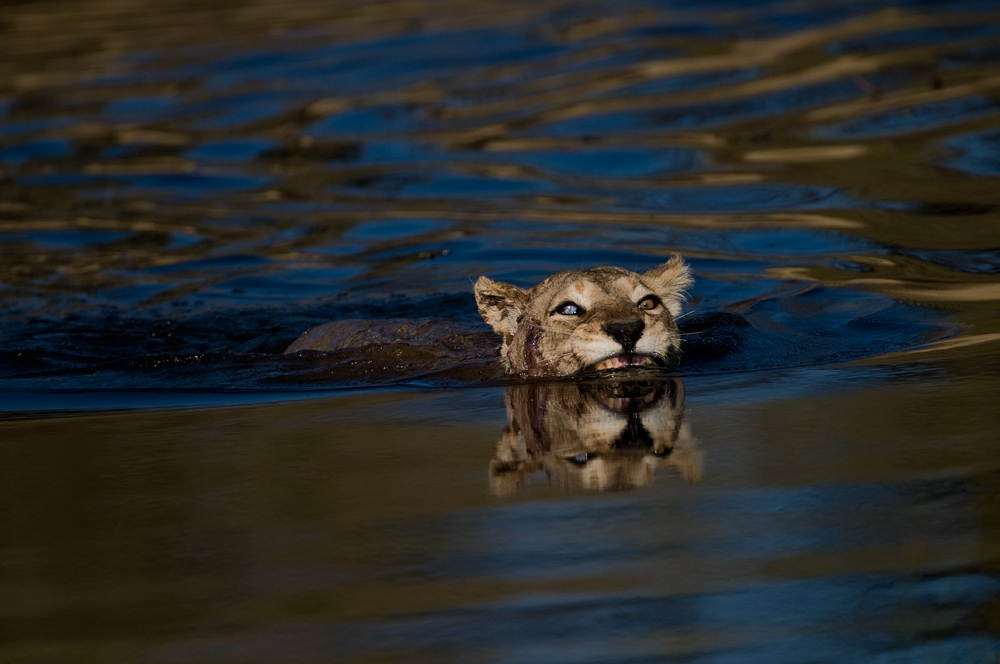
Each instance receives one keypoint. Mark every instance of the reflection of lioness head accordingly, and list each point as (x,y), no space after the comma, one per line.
(588,320)
(601,435)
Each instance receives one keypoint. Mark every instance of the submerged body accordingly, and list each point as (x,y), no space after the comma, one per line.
(588,320)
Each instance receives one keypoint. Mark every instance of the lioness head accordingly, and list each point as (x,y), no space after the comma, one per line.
(598,435)
(588,320)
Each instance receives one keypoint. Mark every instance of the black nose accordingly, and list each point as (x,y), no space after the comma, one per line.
(634,436)
(626,333)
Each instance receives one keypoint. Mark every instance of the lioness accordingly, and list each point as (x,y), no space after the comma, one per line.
(594,435)
(588,320)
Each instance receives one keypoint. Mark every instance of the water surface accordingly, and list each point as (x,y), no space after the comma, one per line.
(186,189)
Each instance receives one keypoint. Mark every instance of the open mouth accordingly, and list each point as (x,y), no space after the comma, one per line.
(628,396)
(631,404)
(625,361)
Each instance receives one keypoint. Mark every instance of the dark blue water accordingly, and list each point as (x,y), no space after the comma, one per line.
(241,310)
(175,217)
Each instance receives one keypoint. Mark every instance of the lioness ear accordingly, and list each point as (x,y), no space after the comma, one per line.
(500,304)
(670,281)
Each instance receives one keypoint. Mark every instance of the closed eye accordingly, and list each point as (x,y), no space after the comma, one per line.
(649,303)
(569,309)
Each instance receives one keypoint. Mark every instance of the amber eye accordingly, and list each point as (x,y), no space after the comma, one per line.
(649,303)
(569,309)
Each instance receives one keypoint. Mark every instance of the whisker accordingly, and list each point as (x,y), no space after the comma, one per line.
(558,357)
(550,329)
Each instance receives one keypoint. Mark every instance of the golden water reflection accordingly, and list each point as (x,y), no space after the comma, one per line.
(603,435)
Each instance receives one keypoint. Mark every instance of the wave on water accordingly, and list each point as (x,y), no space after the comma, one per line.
(178,204)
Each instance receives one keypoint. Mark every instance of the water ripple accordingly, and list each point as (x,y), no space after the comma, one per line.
(793,155)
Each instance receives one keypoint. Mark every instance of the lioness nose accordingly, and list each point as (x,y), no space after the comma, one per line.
(626,333)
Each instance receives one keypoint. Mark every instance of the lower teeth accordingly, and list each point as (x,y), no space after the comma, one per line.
(617,362)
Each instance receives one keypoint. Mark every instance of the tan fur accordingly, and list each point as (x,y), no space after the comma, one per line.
(538,341)
(600,436)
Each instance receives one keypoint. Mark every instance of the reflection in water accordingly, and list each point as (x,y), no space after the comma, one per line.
(603,435)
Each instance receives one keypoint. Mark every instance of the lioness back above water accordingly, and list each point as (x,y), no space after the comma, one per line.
(588,320)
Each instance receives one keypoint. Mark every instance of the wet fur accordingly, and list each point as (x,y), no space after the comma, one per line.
(536,341)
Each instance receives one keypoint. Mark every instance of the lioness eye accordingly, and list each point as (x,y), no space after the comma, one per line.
(569,309)
(649,303)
